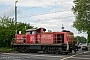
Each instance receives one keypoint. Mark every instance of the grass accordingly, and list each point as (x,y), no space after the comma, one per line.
(6,50)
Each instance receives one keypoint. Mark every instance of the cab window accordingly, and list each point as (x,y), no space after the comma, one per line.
(30,32)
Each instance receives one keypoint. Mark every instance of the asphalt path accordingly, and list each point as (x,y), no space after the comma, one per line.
(80,55)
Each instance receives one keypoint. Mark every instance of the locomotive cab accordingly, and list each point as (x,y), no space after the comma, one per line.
(31,35)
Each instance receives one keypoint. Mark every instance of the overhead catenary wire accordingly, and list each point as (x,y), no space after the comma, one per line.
(37,6)
(48,19)
(34,7)
(43,13)
(50,4)
(51,18)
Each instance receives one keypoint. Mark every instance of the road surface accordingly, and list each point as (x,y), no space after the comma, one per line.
(80,55)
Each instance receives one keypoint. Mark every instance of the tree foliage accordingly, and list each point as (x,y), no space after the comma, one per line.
(80,39)
(81,11)
(22,27)
(7,30)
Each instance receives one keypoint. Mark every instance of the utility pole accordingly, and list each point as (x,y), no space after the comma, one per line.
(16,16)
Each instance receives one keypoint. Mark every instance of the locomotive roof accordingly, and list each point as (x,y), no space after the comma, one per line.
(31,29)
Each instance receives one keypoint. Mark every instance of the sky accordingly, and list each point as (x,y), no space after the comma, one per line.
(50,14)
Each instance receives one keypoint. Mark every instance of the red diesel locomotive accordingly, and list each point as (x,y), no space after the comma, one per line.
(49,42)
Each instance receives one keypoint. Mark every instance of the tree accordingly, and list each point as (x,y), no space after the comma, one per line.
(7,30)
(81,11)
(23,26)
(80,39)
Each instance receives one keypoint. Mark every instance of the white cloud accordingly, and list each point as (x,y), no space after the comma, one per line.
(7,2)
(36,2)
(9,12)
(57,15)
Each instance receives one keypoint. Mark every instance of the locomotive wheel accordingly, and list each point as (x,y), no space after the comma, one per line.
(66,52)
(34,51)
(48,52)
(53,52)
(59,52)
(22,49)
(27,51)
(70,51)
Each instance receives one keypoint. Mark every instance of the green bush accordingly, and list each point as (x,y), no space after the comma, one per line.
(2,49)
